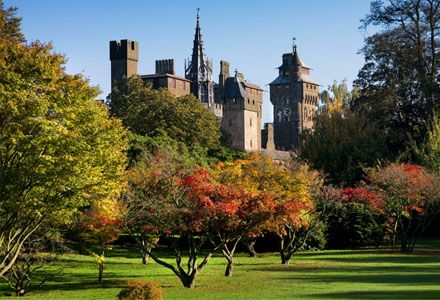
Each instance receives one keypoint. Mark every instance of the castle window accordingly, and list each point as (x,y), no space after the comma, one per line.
(251,143)
(132,45)
(253,102)
(184,86)
(250,122)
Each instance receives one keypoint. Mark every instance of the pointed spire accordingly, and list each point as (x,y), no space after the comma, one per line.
(197,57)
(199,69)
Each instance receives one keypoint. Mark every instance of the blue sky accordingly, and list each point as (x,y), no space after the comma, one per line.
(251,35)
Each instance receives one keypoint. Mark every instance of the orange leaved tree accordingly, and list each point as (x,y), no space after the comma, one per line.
(291,188)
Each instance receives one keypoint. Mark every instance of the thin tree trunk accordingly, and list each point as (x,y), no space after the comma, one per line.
(250,247)
(393,243)
(145,257)
(229,267)
(101,271)
(101,267)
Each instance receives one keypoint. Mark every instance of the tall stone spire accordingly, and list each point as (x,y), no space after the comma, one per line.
(199,70)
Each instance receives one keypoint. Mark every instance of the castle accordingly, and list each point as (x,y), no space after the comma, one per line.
(236,102)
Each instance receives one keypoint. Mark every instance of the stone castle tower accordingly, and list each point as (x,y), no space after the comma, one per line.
(294,95)
(124,59)
(199,71)
(242,102)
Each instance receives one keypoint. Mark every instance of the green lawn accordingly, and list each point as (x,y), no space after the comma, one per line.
(364,274)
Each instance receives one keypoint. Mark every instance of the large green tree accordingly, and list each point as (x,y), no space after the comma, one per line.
(151,112)
(58,147)
(399,86)
(342,145)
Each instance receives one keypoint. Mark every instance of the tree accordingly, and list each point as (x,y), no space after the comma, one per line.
(33,266)
(182,206)
(291,187)
(100,231)
(399,81)
(411,196)
(251,212)
(150,112)
(58,146)
(428,153)
(342,146)
(10,24)
(337,97)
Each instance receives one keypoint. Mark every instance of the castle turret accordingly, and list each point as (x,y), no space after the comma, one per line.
(124,58)
(242,113)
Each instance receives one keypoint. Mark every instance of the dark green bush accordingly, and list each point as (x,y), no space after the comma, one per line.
(353,218)
(141,290)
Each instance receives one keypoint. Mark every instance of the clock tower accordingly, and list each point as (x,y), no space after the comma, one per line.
(294,96)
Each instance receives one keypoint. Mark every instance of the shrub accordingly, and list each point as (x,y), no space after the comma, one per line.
(354,218)
(141,290)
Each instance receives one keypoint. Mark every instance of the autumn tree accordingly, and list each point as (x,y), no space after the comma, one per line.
(146,111)
(342,145)
(182,204)
(249,216)
(291,186)
(398,83)
(337,97)
(411,196)
(100,231)
(58,146)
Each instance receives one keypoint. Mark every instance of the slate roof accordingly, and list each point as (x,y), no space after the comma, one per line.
(285,80)
(280,80)
(251,85)
(234,89)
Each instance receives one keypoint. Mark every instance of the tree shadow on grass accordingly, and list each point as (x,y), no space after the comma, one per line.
(404,294)
(419,257)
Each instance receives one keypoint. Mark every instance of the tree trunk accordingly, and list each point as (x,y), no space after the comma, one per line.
(188,281)
(82,247)
(393,243)
(229,267)
(285,259)
(101,271)
(101,266)
(145,257)
(250,247)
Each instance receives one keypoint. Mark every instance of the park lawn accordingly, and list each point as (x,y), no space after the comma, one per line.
(362,274)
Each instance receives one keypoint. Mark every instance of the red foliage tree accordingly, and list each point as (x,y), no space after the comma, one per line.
(100,231)
(186,205)
(411,196)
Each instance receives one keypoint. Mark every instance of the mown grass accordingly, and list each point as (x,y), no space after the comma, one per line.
(361,274)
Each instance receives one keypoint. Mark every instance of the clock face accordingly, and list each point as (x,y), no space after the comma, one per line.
(287,112)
